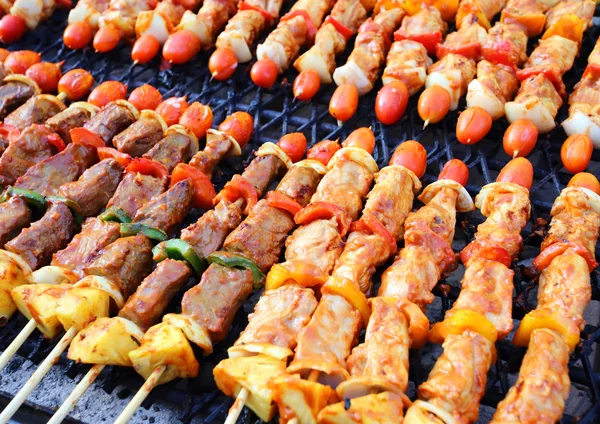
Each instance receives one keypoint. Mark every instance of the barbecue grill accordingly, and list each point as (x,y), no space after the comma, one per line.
(276,113)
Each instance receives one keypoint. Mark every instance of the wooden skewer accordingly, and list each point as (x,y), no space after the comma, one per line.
(16,343)
(37,376)
(76,394)
(141,395)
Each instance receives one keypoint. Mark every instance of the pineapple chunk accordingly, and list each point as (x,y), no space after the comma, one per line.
(301,399)
(252,373)
(80,306)
(38,301)
(164,344)
(106,341)
(192,330)
(381,408)
(14,272)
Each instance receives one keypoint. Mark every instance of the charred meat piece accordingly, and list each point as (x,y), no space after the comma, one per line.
(135,191)
(14,216)
(262,171)
(65,121)
(125,262)
(110,121)
(51,233)
(173,149)
(49,175)
(36,110)
(95,187)
(139,137)
(30,148)
(168,209)
(12,95)
(146,305)
(208,158)
(95,235)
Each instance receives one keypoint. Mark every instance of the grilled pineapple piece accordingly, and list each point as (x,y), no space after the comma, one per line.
(80,306)
(301,399)
(14,272)
(382,408)
(252,373)
(38,301)
(106,341)
(164,344)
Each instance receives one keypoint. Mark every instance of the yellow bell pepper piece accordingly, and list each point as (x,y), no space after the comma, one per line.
(418,326)
(544,318)
(568,26)
(460,321)
(346,288)
(293,272)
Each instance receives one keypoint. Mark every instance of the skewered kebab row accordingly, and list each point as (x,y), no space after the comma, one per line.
(21,15)
(482,312)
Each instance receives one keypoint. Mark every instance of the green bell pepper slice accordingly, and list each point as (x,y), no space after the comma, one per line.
(230,260)
(179,250)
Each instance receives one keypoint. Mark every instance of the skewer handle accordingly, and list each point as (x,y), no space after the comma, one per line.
(16,343)
(37,376)
(141,395)
(237,407)
(76,394)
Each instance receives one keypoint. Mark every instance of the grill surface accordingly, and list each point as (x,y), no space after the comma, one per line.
(276,113)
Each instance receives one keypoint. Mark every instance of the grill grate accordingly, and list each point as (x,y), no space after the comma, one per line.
(276,113)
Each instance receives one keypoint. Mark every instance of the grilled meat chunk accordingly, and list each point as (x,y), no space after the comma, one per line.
(139,137)
(36,110)
(135,191)
(65,121)
(173,149)
(12,95)
(110,121)
(262,171)
(14,216)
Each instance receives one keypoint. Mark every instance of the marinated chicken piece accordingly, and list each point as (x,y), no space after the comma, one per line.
(208,158)
(95,235)
(14,216)
(214,302)
(428,20)
(88,11)
(457,381)
(51,233)
(495,85)
(505,43)
(13,94)
(528,14)
(542,388)
(555,54)
(95,187)
(453,72)
(299,183)
(241,32)
(125,262)
(47,176)
(210,20)
(139,137)
(168,209)
(148,303)
(110,121)
(31,147)
(135,191)
(407,61)
(466,41)
(65,121)
(483,10)
(123,14)
(277,319)
(174,148)
(207,235)
(261,236)
(36,110)
(584,9)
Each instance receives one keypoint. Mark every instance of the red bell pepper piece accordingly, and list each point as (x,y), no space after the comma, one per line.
(10,132)
(339,27)
(204,191)
(108,152)
(238,188)
(86,137)
(324,210)
(592,71)
(148,167)
(56,141)
(469,50)
(429,40)
(311,29)
(245,6)
(552,74)
(370,224)
(545,258)
(500,52)
(493,252)
(281,201)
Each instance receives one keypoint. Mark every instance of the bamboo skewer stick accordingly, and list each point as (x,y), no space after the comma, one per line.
(16,343)
(141,395)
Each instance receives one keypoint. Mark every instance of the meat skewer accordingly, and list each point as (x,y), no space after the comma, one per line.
(23,15)
(83,22)
(380,364)
(482,312)
(551,331)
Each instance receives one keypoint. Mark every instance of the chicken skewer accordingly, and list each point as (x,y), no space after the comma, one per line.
(104,277)
(482,312)
(83,22)
(380,364)
(551,331)
(270,338)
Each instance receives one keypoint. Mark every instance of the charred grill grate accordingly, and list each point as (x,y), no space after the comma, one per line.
(276,113)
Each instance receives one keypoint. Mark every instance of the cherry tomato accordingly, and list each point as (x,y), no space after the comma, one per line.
(240,126)
(344,102)
(576,153)
(172,109)
(198,118)
(294,145)
(586,180)
(306,85)
(3,54)
(222,64)
(361,137)
(434,104)
(518,171)
(12,28)
(145,49)
(78,35)
(46,75)
(107,38)
(264,73)
(76,84)
(391,102)
(181,47)
(520,138)
(107,92)
(18,62)
(145,97)
(455,170)
(323,151)
(412,155)
(473,124)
